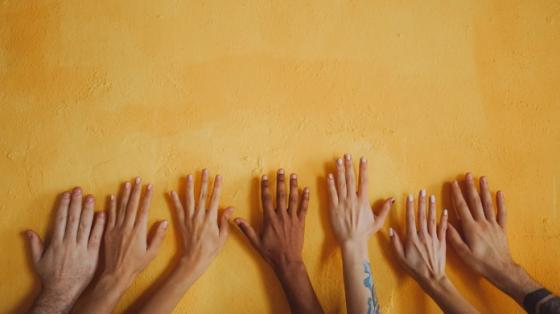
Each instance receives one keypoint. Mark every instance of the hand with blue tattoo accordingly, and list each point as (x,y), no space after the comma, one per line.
(423,254)
(354,222)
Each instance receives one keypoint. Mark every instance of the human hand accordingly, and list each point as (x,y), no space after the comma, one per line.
(351,214)
(423,254)
(67,264)
(281,241)
(483,244)
(127,251)
(203,235)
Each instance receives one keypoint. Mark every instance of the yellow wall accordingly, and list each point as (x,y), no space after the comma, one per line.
(96,92)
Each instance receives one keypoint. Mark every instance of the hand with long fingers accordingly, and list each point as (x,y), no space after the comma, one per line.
(126,248)
(483,244)
(354,222)
(423,254)
(203,235)
(280,241)
(67,264)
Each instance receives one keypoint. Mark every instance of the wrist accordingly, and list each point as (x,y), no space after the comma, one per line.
(514,281)
(353,250)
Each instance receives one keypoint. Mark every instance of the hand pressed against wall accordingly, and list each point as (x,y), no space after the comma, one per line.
(203,234)
(423,254)
(67,264)
(126,248)
(280,241)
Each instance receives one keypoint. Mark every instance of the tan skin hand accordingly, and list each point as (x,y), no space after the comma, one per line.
(127,251)
(352,216)
(67,264)
(203,235)
(483,244)
(281,240)
(423,253)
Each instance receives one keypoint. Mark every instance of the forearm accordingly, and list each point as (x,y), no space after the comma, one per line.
(104,296)
(297,288)
(359,285)
(514,281)
(52,302)
(448,298)
(173,289)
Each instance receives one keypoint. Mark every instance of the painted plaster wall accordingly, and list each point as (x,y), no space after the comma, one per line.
(96,92)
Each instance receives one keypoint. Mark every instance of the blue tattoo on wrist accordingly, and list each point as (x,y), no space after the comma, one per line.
(373,305)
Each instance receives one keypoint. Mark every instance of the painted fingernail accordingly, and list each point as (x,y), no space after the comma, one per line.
(280,171)
(112,197)
(137,180)
(410,198)
(363,160)
(391,232)
(348,156)
(264,178)
(445,212)
(293,176)
(432,199)
(423,192)
(339,161)
(164,224)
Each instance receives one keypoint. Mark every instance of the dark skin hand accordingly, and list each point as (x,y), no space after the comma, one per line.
(280,242)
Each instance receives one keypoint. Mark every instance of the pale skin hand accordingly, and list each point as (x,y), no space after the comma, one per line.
(353,224)
(423,254)
(127,251)
(483,244)
(281,241)
(203,236)
(67,264)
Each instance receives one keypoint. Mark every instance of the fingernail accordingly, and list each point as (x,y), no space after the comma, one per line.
(432,199)
(363,160)
(391,232)
(127,185)
(149,187)
(264,178)
(423,192)
(392,201)
(445,212)
(29,234)
(294,176)
(280,171)
(101,215)
(65,195)
(348,156)
(331,176)
(410,198)
(189,177)
(138,180)
(77,191)
(164,224)
(112,197)
(339,161)
(218,177)
(89,199)
(204,171)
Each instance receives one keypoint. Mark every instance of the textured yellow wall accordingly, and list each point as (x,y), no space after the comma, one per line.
(95,92)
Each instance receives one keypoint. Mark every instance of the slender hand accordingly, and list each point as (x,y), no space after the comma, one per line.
(281,241)
(67,264)
(203,236)
(354,223)
(423,255)
(483,244)
(126,249)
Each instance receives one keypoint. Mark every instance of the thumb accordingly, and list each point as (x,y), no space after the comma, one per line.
(383,213)
(249,232)
(223,224)
(457,242)
(158,237)
(397,245)
(35,244)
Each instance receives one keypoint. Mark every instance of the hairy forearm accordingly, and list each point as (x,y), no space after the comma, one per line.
(297,287)
(173,289)
(448,298)
(104,295)
(52,302)
(359,285)
(514,281)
